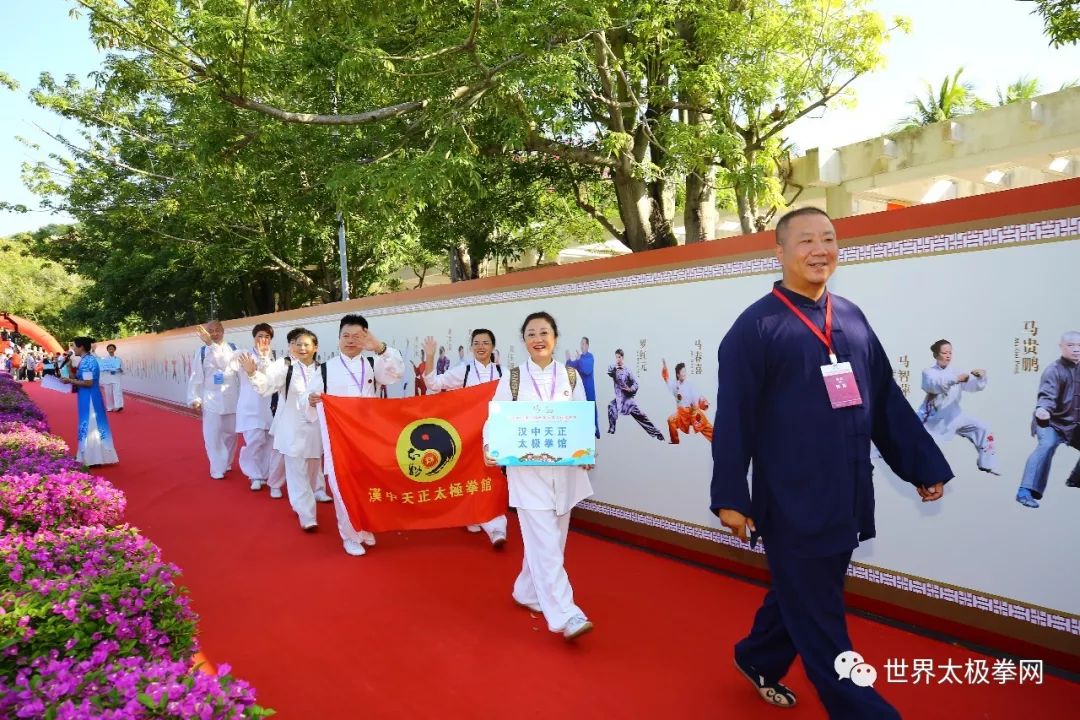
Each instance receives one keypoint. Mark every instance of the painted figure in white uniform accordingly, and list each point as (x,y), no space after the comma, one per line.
(544,496)
(480,370)
(940,411)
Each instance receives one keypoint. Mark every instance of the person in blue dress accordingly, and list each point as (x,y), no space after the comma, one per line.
(95,436)
(804,388)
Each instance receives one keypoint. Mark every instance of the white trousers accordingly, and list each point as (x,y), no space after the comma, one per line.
(114,395)
(304,478)
(983,440)
(219,436)
(344,523)
(495,525)
(543,579)
(259,460)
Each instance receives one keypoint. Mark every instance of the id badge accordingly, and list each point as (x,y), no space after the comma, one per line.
(219,378)
(841,386)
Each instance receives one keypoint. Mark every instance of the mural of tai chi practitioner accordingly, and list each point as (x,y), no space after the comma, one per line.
(690,406)
(1057,415)
(626,387)
(941,412)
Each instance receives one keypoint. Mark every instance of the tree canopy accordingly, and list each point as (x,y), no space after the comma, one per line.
(222,138)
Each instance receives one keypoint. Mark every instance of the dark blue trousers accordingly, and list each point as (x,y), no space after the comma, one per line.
(803,614)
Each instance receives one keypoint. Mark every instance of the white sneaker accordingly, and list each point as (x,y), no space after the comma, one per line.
(367,538)
(498,539)
(473,528)
(323,497)
(576,627)
(309,527)
(256,484)
(354,548)
(275,493)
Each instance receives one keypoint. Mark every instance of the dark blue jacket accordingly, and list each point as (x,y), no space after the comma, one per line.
(813,492)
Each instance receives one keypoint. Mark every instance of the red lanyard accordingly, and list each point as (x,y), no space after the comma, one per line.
(825,337)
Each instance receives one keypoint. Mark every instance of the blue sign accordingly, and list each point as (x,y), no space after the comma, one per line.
(541,433)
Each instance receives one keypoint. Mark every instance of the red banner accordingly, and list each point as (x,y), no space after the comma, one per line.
(413,463)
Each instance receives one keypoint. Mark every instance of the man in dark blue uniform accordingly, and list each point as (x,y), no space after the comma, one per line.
(804,387)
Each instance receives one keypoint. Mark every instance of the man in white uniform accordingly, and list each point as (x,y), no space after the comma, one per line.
(295,427)
(111,370)
(356,374)
(941,413)
(213,389)
(258,459)
(480,370)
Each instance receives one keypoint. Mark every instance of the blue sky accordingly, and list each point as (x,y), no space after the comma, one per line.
(996,41)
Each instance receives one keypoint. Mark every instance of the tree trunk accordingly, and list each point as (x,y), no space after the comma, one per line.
(635,210)
(459,261)
(699,215)
(746,216)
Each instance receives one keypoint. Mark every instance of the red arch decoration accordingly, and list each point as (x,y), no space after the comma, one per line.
(31,330)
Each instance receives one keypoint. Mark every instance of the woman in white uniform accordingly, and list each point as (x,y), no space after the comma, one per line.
(481,370)
(258,459)
(296,427)
(544,496)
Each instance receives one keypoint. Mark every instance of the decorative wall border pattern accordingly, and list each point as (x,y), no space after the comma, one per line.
(1062,228)
(965,598)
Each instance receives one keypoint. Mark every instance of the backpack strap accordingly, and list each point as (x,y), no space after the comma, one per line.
(499,368)
(571,373)
(465,382)
(288,378)
(322,369)
(515,382)
(202,355)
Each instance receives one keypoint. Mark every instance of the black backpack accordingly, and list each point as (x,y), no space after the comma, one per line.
(465,382)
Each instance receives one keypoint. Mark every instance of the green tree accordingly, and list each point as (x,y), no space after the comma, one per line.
(651,94)
(1061,20)
(953,99)
(1023,88)
(38,289)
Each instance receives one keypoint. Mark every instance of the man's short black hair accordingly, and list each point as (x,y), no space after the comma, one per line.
(110,346)
(83,342)
(679,367)
(781,226)
(353,319)
(263,327)
(619,352)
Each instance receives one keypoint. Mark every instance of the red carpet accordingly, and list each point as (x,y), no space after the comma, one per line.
(424,627)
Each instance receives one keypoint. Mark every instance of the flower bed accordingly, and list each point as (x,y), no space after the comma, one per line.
(33,502)
(103,686)
(74,588)
(92,622)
